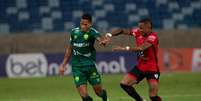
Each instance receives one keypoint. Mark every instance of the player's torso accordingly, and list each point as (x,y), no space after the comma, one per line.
(82,41)
(83,49)
(147,59)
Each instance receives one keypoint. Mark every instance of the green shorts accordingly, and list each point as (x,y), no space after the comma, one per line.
(83,74)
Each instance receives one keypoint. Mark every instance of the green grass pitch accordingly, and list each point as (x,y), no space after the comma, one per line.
(173,87)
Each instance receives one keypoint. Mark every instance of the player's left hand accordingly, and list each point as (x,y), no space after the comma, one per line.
(104,41)
(62,69)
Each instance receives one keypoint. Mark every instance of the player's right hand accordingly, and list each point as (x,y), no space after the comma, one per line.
(104,41)
(62,69)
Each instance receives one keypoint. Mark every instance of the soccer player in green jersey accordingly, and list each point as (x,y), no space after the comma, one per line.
(81,49)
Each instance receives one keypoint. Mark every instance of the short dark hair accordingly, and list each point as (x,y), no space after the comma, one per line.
(146,20)
(87,16)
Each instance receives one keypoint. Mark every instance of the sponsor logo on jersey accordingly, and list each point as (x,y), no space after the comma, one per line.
(81,44)
(78,53)
(151,38)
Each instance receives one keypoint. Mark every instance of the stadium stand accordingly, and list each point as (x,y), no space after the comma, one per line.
(61,15)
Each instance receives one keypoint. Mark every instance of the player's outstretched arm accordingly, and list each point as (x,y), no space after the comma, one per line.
(128,48)
(107,38)
(66,59)
(101,40)
(120,31)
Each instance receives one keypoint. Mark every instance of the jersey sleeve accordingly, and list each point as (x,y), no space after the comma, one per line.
(135,32)
(153,39)
(68,40)
(95,33)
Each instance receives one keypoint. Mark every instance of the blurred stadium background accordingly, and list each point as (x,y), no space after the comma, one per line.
(33,34)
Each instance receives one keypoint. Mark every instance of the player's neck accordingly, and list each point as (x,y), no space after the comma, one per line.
(86,30)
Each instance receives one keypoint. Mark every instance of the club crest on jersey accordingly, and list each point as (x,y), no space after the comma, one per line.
(156,76)
(86,36)
(75,36)
(98,80)
(77,78)
(94,73)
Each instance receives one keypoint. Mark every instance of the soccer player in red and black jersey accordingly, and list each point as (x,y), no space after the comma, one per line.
(147,67)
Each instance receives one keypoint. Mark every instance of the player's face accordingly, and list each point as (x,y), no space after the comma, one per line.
(144,28)
(85,25)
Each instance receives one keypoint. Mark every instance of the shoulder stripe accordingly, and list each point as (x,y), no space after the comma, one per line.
(77,28)
(94,30)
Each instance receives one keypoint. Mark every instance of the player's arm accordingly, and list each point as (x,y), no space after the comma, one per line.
(67,55)
(99,37)
(116,32)
(101,40)
(142,47)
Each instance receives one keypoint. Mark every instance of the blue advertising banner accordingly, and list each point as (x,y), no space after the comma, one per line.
(2,65)
(107,62)
(42,65)
(115,62)
(54,60)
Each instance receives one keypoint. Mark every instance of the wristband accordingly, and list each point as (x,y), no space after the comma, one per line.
(127,48)
(108,35)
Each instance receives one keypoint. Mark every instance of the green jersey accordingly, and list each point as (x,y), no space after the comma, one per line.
(84,53)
